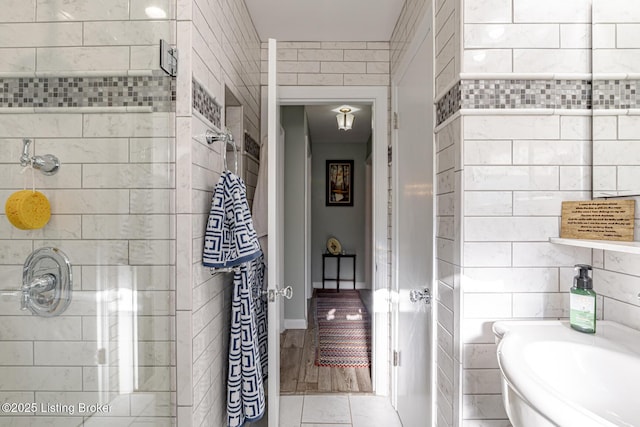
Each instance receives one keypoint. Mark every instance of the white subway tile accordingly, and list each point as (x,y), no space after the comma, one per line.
(487,306)
(16,353)
(605,127)
(118,404)
(616,11)
(603,37)
(511,178)
(617,61)
(152,150)
(19,10)
(377,68)
(598,258)
(541,305)
(335,45)
(487,254)
(539,11)
(40,34)
(575,36)
(343,67)
(621,287)
(483,407)
(93,58)
(142,278)
(27,328)
(446,76)
(552,60)
(297,66)
(152,404)
(444,34)
(532,254)
(445,295)
(58,227)
(89,201)
(482,381)
(486,152)
(14,251)
(366,55)
(151,201)
(144,58)
(622,263)
(139,175)
(445,227)
(510,280)
(446,55)
(320,79)
(137,8)
(40,125)
(488,203)
(129,421)
(628,127)
(86,150)
(509,229)
(487,11)
(445,182)
(150,378)
(616,152)
(494,127)
(575,178)
(67,177)
(128,227)
(487,61)
(511,36)
(17,60)
(321,55)
(366,79)
(152,252)
(20,378)
(562,152)
(544,202)
(445,159)
(91,252)
(480,356)
(605,178)
(445,340)
(575,127)
(65,353)
(125,33)
(445,250)
(620,312)
(81,10)
(477,331)
(129,125)
(628,178)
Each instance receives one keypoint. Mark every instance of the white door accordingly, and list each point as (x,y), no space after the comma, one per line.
(275,262)
(413,237)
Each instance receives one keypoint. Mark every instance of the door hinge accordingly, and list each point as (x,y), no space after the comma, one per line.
(395,120)
(396,358)
(168,58)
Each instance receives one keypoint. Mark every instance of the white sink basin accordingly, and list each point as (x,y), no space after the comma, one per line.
(555,376)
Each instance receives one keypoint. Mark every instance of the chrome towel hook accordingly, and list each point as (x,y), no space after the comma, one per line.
(227,138)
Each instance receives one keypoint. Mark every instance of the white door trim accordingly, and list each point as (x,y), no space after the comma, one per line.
(377,96)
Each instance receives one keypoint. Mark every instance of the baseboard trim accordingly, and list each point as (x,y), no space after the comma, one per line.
(295,324)
(331,284)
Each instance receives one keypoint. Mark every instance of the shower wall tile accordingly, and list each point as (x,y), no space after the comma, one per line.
(90,201)
(37,35)
(41,378)
(129,125)
(81,10)
(83,150)
(125,33)
(41,125)
(19,11)
(95,58)
(128,226)
(17,60)
(142,278)
(136,175)
(58,227)
(16,353)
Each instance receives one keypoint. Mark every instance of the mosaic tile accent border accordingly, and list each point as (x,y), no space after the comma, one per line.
(157,92)
(503,94)
(251,146)
(206,105)
(616,94)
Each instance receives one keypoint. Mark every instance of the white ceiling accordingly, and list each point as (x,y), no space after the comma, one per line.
(325,20)
(323,126)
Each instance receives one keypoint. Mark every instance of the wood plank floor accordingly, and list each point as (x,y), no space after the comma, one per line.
(300,375)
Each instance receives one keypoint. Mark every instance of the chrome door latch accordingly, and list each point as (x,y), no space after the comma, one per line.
(273,293)
(420,295)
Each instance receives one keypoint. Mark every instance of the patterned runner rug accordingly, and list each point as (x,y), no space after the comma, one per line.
(343,330)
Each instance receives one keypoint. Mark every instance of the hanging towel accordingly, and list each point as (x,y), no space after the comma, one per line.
(231,241)
(230,238)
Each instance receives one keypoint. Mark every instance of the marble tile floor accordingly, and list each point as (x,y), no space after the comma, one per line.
(337,410)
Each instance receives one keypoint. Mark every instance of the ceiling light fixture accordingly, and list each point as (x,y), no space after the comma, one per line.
(345,118)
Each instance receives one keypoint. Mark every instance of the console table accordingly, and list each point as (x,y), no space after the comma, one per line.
(339,258)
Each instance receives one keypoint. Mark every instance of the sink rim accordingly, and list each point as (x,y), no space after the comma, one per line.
(540,395)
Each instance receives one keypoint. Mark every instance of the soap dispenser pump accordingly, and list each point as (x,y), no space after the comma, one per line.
(583,301)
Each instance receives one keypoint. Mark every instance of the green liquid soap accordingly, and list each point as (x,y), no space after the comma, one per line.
(582,301)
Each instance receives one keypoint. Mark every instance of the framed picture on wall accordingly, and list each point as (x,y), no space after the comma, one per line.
(339,183)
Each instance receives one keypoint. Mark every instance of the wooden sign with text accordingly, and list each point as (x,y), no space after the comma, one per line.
(598,220)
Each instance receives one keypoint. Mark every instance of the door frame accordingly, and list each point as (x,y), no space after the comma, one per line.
(377,97)
(424,29)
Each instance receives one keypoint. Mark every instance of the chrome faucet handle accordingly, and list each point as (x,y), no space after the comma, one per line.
(47,164)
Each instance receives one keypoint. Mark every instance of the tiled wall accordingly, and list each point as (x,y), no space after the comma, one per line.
(447,44)
(330,63)
(112,210)
(219,48)
(500,188)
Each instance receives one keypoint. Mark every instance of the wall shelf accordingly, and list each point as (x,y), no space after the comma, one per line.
(607,245)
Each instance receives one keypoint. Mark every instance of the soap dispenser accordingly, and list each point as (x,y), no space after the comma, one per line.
(583,301)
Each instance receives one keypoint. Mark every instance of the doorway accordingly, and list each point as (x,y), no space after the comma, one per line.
(326,345)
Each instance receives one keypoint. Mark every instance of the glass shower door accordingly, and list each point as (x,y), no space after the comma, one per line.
(81,80)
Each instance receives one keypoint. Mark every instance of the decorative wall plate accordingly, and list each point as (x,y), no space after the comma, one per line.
(333,246)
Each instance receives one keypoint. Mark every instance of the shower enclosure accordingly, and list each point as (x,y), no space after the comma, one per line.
(81,80)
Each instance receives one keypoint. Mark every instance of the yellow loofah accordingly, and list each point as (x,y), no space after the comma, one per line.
(28,209)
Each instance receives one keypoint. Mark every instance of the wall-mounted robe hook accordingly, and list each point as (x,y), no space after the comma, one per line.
(47,164)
